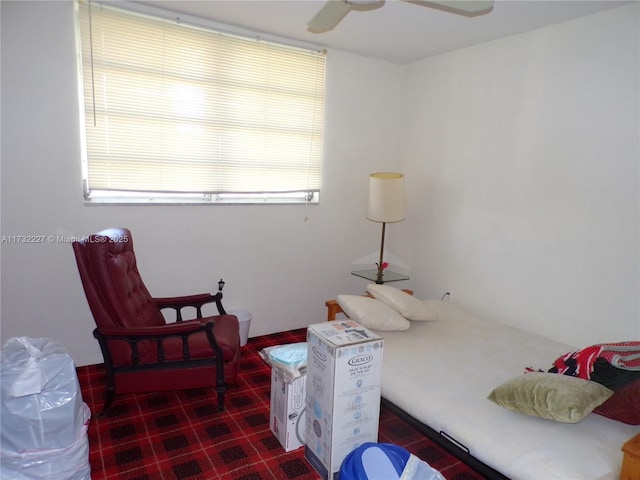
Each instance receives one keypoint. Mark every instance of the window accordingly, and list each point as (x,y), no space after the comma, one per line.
(178,113)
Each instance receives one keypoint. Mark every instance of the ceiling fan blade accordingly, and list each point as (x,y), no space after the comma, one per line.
(329,16)
(468,8)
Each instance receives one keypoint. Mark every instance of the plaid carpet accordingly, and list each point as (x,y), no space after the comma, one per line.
(181,435)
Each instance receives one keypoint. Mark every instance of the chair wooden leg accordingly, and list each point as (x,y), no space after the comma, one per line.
(220,391)
(108,400)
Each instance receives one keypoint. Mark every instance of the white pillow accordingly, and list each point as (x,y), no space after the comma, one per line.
(371,313)
(409,306)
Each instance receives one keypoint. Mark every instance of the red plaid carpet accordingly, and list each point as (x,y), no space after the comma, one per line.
(181,435)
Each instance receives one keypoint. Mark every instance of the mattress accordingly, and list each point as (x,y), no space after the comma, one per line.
(441,372)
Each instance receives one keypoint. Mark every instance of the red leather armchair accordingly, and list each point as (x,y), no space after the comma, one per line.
(141,351)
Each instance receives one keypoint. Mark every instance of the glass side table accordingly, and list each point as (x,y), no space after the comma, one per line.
(387,276)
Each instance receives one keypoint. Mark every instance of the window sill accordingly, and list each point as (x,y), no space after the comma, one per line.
(144,199)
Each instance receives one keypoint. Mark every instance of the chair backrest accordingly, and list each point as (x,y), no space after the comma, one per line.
(114,288)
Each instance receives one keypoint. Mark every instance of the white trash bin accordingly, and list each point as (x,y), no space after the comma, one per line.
(244,321)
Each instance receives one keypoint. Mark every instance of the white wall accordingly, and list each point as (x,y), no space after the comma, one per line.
(276,265)
(524,155)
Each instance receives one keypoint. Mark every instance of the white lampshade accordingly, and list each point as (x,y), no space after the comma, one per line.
(386,197)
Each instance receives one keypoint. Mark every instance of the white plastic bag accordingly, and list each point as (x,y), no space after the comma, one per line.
(68,463)
(417,469)
(43,423)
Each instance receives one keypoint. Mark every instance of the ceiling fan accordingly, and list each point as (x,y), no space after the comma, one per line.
(334,11)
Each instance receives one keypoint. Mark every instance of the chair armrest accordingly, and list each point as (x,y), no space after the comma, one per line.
(186,300)
(334,309)
(158,334)
(196,301)
(167,330)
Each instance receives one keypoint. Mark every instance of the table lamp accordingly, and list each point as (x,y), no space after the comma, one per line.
(386,205)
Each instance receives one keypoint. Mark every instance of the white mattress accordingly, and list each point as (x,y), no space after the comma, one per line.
(441,373)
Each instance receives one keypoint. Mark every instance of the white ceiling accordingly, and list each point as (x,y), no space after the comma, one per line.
(398,31)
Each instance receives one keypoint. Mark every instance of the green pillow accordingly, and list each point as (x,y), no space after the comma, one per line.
(553,396)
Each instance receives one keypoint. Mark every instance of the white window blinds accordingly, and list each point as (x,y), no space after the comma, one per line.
(175,108)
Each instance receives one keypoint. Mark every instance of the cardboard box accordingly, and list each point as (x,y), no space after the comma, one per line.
(287,410)
(344,374)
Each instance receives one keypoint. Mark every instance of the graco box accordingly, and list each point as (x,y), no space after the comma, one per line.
(344,373)
(287,410)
